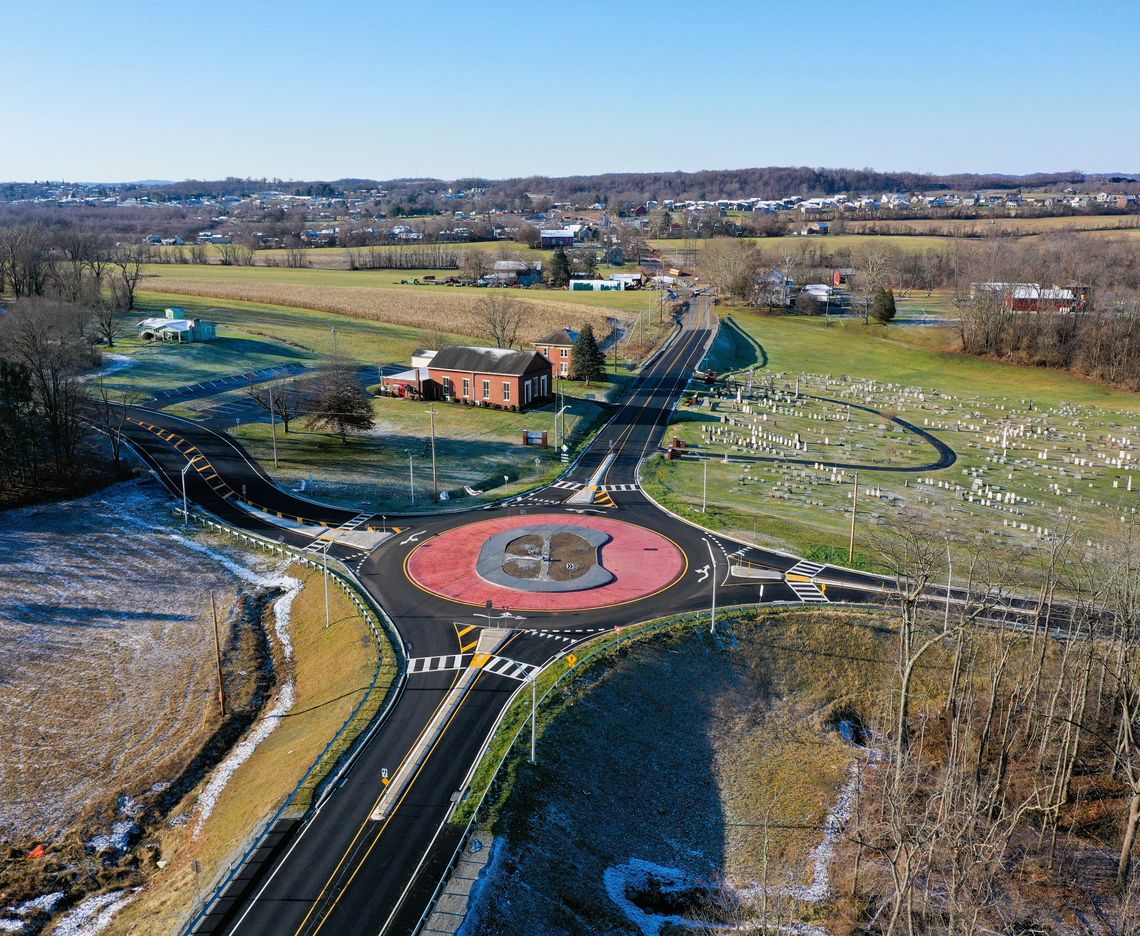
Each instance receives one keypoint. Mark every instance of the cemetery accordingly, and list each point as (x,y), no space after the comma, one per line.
(776,457)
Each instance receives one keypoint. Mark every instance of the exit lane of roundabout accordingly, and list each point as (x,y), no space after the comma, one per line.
(546,562)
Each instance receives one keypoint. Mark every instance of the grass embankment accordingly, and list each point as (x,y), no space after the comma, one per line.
(723,730)
(964,401)
(332,670)
(738,761)
(475,447)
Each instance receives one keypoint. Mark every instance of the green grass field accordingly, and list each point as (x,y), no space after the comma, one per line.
(475,447)
(1070,445)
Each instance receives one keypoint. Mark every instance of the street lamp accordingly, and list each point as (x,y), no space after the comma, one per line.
(331,540)
(185,509)
(712,612)
(533,710)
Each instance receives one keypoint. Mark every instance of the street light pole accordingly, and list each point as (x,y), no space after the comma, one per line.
(411,479)
(533,711)
(705,487)
(273,425)
(854,507)
(327,614)
(434,483)
(185,508)
(712,613)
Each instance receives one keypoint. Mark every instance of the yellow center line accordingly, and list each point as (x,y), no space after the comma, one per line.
(403,796)
(368,820)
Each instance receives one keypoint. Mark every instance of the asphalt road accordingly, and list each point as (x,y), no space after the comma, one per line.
(340,871)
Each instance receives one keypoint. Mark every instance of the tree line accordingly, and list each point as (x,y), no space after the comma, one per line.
(1100,341)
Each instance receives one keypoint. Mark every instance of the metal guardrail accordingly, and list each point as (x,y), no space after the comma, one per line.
(344,580)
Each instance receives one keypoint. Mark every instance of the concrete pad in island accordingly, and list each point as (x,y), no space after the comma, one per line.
(642,563)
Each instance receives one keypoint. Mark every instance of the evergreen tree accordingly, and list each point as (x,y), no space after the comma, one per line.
(339,403)
(559,268)
(587,361)
(883,306)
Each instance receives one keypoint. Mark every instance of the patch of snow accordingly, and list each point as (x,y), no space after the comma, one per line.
(12,926)
(118,362)
(822,854)
(45,903)
(118,840)
(93,915)
(160,786)
(129,806)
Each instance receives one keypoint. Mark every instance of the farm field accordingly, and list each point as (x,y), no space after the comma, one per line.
(1038,452)
(109,642)
(1019,226)
(412,307)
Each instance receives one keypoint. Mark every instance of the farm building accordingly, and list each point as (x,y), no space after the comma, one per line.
(515,272)
(176,326)
(558,349)
(596,285)
(556,238)
(479,376)
(842,276)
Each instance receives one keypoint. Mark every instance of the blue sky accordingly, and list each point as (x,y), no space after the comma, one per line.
(126,90)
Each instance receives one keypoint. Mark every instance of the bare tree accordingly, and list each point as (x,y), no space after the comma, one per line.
(502,317)
(128,274)
(281,398)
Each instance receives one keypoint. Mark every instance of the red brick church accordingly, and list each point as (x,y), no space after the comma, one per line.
(479,376)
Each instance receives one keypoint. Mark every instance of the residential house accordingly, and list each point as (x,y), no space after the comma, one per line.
(558,349)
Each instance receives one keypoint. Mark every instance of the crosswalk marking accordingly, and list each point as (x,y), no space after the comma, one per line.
(804,567)
(512,669)
(808,592)
(438,664)
(618,487)
(567,485)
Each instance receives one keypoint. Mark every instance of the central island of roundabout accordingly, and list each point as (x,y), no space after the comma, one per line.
(546,562)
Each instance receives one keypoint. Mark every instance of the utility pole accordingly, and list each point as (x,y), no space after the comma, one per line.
(434,483)
(218,656)
(854,507)
(949,585)
(334,341)
(273,425)
(411,480)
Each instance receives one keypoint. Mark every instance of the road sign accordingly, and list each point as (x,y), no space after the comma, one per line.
(572,660)
(384,778)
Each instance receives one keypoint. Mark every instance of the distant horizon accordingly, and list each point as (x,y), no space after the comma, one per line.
(292,180)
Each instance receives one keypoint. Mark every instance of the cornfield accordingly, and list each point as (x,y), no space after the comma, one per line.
(450,310)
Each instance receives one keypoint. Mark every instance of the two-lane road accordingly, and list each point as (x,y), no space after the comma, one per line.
(349,869)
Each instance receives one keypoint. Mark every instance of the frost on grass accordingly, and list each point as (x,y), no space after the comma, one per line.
(106,652)
(93,915)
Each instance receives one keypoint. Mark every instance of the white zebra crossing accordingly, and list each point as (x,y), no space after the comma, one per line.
(512,669)
(804,567)
(439,664)
(808,592)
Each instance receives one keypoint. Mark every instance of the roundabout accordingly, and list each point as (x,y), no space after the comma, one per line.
(546,562)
